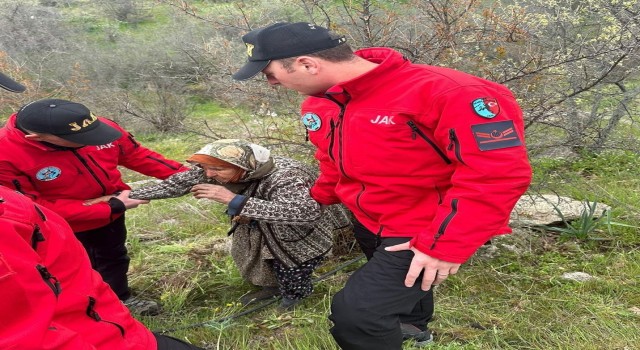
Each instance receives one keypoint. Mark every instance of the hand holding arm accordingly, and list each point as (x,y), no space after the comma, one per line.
(122,196)
(435,270)
(128,202)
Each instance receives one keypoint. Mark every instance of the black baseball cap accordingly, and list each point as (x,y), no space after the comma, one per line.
(283,40)
(10,84)
(68,120)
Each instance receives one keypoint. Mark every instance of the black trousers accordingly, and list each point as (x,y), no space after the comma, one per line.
(108,254)
(368,311)
(170,343)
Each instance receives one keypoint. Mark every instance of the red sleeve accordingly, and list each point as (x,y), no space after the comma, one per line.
(136,157)
(491,171)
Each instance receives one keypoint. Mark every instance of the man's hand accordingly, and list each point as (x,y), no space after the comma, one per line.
(97,200)
(130,203)
(435,270)
(123,196)
(214,192)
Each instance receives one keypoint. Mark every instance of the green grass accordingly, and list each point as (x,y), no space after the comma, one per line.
(516,299)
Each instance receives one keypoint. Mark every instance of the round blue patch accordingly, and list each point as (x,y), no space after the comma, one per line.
(311,121)
(486,107)
(49,173)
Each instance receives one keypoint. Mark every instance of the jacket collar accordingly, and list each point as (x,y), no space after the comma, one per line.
(388,60)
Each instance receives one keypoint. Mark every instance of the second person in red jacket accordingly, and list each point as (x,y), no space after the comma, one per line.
(60,154)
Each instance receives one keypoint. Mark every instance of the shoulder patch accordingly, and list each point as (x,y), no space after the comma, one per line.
(311,121)
(486,107)
(490,136)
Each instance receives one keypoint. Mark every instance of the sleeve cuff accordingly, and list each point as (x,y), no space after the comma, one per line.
(236,204)
(116,205)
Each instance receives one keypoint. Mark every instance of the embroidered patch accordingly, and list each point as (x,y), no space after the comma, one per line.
(311,121)
(486,107)
(49,173)
(490,136)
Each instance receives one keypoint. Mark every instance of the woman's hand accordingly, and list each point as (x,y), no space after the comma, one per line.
(214,192)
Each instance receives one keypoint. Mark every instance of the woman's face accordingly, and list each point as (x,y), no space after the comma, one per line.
(221,174)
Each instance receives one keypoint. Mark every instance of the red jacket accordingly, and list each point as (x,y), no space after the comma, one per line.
(50,298)
(63,179)
(420,151)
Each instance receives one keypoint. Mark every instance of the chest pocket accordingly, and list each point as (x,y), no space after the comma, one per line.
(385,144)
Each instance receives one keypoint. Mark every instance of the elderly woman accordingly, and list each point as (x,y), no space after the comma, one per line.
(280,234)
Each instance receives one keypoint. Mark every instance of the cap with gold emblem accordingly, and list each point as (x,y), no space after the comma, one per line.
(283,40)
(68,120)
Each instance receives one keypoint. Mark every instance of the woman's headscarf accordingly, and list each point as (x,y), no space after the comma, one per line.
(254,159)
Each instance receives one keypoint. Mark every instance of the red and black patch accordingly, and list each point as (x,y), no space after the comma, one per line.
(490,136)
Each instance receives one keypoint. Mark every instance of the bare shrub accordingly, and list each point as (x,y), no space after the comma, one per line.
(573,65)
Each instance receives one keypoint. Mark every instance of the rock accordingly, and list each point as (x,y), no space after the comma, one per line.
(577,276)
(538,210)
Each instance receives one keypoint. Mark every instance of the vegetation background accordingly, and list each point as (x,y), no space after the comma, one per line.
(162,69)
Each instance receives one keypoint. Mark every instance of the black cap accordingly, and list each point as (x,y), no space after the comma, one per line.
(10,84)
(283,40)
(68,120)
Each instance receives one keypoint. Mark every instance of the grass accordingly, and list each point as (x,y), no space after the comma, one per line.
(509,296)
(513,298)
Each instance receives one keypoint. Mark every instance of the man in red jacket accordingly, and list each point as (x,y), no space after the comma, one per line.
(59,154)
(430,160)
(50,298)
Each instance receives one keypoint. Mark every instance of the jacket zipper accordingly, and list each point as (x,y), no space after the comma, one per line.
(91,312)
(163,163)
(17,185)
(340,126)
(135,143)
(40,213)
(363,188)
(331,141)
(455,143)
(36,237)
(98,166)
(445,222)
(50,280)
(343,107)
(93,174)
(417,131)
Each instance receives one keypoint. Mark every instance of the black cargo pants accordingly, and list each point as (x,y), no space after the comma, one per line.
(368,311)
(108,254)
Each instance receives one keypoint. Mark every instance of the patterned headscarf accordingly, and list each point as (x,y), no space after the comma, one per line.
(254,159)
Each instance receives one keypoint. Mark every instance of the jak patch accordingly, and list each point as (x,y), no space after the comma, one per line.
(490,136)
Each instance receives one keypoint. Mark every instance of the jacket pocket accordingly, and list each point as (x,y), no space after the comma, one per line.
(416,131)
(445,222)
(454,144)
(49,279)
(93,314)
